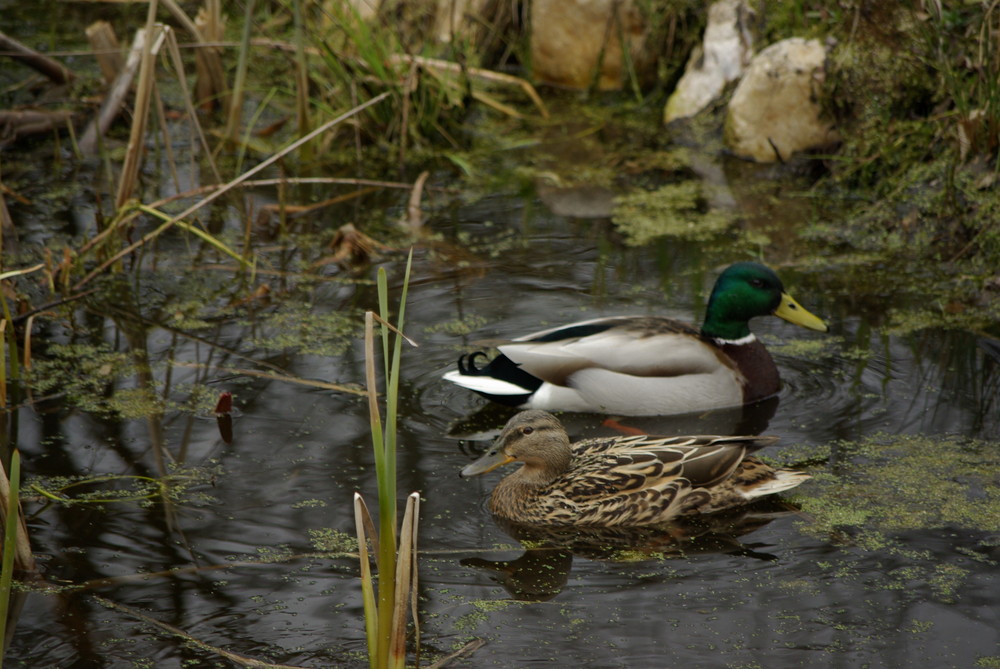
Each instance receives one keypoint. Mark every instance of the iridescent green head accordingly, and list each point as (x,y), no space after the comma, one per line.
(745,290)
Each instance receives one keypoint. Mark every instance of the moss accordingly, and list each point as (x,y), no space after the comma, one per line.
(900,483)
(331,541)
(460,326)
(297,327)
(676,210)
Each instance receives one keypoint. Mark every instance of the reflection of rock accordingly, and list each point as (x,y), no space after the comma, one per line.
(725,51)
(542,571)
(774,110)
(571,39)
(577,201)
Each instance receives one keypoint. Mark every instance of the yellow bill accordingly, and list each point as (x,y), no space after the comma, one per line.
(793,312)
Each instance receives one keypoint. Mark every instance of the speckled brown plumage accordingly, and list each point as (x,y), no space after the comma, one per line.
(628,481)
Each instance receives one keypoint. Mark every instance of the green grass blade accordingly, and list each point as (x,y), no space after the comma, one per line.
(9,544)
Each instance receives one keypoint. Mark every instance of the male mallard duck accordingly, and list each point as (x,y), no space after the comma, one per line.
(646,365)
(637,480)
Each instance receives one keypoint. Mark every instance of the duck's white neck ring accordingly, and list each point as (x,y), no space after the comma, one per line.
(742,341)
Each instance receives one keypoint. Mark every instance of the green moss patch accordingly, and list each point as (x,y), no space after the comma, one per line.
(675,210)
(887,484)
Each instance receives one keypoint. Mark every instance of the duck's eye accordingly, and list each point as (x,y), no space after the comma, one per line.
(757,283)
(527,430)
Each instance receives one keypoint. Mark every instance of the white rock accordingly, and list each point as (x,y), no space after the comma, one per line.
(774,111)
(724,54)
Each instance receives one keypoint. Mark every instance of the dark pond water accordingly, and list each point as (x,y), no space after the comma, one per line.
(770,588)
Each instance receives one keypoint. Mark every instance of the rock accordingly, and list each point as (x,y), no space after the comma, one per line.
(584,201)
(774,111)
(724,54)
(568,37)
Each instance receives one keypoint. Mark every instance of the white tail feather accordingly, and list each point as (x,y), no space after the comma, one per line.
(485,384)
(784,479)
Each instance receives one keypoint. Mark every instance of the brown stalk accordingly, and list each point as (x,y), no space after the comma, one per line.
(485,75)
(24,560)
(175,56)
(286,378)
(115,98)
(414,217)
(107,50)
(156,33)
(52,69)
(406,576)
(236,658)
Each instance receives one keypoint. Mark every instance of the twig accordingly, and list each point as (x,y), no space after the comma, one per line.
(20,123)
(275,377)
(52,69)
(468,648)
(52,305)
(487,75)
(242,660)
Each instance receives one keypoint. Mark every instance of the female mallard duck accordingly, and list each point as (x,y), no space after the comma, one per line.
(645,365)
(637,480)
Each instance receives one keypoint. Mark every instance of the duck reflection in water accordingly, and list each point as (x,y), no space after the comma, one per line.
(542,571)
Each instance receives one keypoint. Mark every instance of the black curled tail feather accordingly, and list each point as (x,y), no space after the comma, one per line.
(467,364)
(504,369)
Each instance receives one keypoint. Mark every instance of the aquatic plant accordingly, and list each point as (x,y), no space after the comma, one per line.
(16,548)
(385,606)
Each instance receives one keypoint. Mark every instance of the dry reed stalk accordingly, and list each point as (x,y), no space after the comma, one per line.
(301,80)
(406,578)
(17,123)
(7,228)
(210,82)
(414,219)
(115,98)
(51,68)
(235,658)
(478,73)
(273,376)
(189,105)
(24,560)
(156,34)
(107,50)
(235,114)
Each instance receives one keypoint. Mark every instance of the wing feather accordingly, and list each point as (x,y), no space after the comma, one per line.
(639,346)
